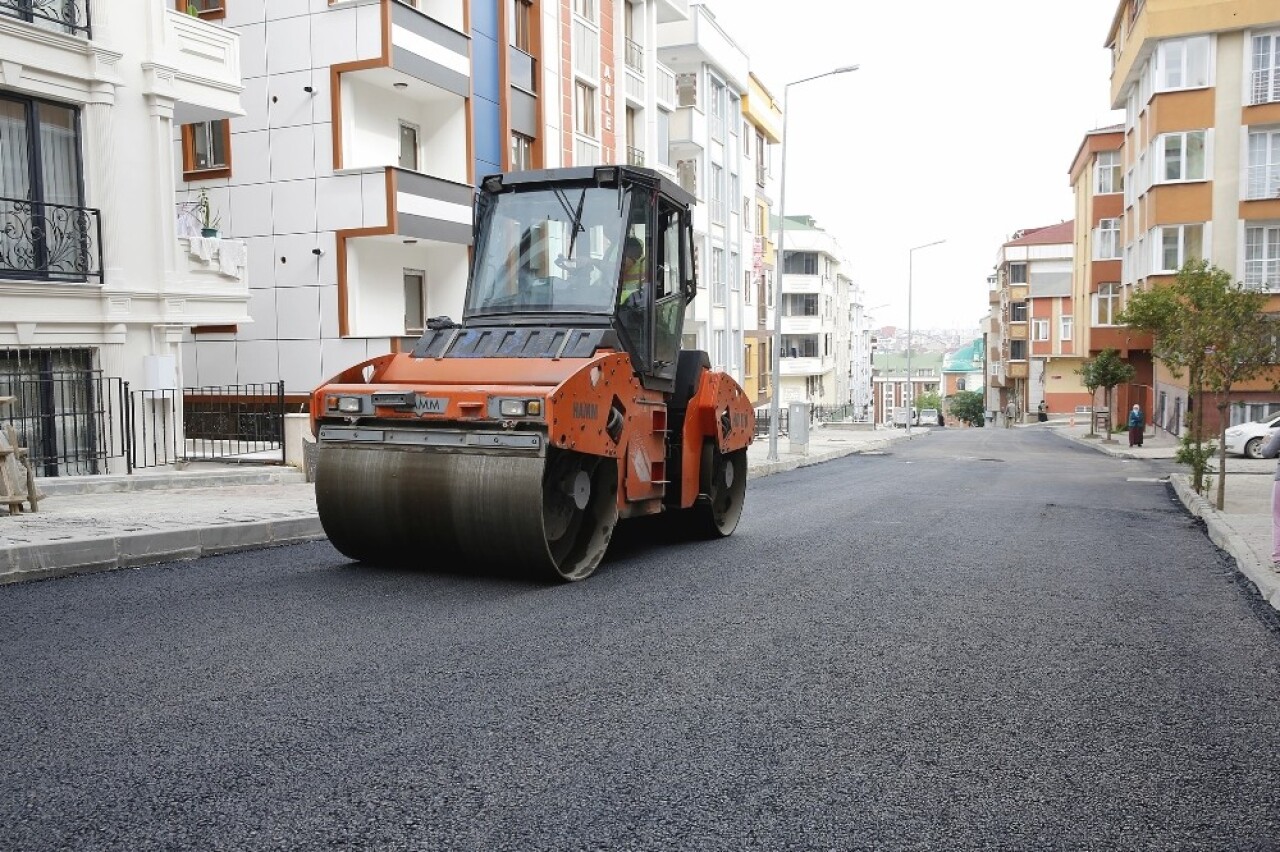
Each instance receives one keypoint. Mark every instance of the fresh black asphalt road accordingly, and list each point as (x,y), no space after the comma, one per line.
(980,639)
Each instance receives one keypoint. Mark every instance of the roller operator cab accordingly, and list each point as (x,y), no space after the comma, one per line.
(513,442)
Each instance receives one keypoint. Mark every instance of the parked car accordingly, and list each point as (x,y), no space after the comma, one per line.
(928,417)
(1247,438)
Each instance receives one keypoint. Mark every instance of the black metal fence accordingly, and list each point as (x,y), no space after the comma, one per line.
(234,423)
(75,421)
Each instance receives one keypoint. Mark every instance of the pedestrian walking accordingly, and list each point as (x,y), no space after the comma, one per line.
(1270,450)
(1042,412)
(1010,412)
(1137,423)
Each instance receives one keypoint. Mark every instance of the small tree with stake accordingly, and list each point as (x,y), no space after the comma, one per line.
(1110,370)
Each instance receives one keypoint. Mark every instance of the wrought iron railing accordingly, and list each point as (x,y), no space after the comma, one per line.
(68,16)
(49,242)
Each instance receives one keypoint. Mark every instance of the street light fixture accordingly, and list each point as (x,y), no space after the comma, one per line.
(910,274)
(781,262)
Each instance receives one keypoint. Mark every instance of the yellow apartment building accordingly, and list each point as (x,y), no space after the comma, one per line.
(763,117)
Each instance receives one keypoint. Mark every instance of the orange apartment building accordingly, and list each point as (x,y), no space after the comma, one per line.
(1200,86)
(1097,181)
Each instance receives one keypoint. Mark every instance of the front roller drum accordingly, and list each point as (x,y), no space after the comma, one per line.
(474,512)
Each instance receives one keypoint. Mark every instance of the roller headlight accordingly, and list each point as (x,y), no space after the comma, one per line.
(346,404)
(520,407)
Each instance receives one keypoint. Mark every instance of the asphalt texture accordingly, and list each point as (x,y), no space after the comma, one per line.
(980,639)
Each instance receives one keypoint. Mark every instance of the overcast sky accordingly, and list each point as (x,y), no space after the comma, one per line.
(960,125)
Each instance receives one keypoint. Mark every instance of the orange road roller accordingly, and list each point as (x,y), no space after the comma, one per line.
(514,441)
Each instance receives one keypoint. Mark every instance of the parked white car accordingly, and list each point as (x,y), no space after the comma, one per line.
(1247,438)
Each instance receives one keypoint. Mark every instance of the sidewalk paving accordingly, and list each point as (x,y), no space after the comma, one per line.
(97,523)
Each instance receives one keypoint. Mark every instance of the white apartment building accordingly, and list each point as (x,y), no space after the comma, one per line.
(97,286)
(706,140)
(814,310)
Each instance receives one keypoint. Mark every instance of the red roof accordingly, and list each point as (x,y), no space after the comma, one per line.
(1063,232)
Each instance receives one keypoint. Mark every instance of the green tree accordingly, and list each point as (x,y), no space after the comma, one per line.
(1109,370)
(967,406)
(1214,329)
(929,400)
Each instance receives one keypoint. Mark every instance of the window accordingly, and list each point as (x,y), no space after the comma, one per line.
(663,127)
(1264,165)
(717,193)
(687,90)
(521,30)
(801,263)
(1017,273)
(799,346)
(1106,240)
(415,301)
(521,152)
(1176,245)
(733,271)
(40,163)
(1182,63)
(208,9)
(1265,71)
(717,276)
(716,108)
(206,150)
(1040,329)
(1107,177)
(762,159)
(720,355)
(1065,326)
(1183,155)
(584,109)
(1017,350)
(799,304)
(1106,304)
(1018,312)
(408,146)
(1262,257)
(585,9)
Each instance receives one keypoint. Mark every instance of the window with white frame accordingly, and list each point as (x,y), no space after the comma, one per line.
(1106,304)
(584,108)
(717,193)
(1017,273)
(1106,240)
(1262,257)
(716,107)
(717,276)
(1182,63)
(663,127)
(1065,327)
(1176,244)
(1183,156)
(585,9)
(1039,329)
(1264,165)
(718,340)
(1264,79)
(1107,177)
(733,271)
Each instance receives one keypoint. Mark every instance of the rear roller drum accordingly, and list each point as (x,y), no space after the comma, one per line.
(723,490)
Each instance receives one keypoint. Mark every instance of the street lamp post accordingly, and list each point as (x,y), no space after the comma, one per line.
(910,273)
(781,262)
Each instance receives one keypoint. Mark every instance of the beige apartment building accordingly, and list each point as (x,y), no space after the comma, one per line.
(1200,86)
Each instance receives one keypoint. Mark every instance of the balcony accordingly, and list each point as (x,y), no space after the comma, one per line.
(49,242)
(672,10)
(1018,292)
(801,325)
(806,366)
(60,16)
(634,53)
(523,70)
(689,129)
(213,281)
(635,87)
(197,63)
(795,283)
(1016,369)
(635,156)
(1016,331)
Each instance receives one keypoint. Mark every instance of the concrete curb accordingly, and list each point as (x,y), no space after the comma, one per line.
(133,550)
(68,485)
(1253,565)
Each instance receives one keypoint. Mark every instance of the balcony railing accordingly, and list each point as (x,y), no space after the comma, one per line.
(635,156)
(49,242)
(65,16)
(522,70)
(666,86)
(635,55)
